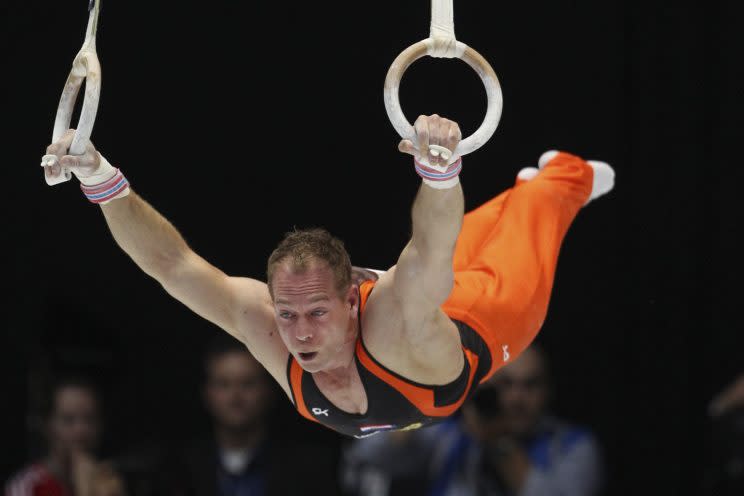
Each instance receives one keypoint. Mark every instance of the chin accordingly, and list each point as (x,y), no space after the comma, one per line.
(310,367)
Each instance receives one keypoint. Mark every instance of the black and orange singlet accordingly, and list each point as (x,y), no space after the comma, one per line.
(394,402)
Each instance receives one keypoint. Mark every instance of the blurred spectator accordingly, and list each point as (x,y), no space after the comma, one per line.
(389,464)
(72,432)
(724,472)
(730,399)
(504,443)
(241,457)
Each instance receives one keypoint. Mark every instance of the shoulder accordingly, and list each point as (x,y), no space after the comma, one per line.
(255,325)
(424,348)
(256,328)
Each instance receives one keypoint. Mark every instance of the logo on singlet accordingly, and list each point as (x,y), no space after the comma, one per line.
(362,436)
(506,352)
(413,427)
(320,411)
(371,430)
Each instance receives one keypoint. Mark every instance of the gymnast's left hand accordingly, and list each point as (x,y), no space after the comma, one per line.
(432,130)
(81,165)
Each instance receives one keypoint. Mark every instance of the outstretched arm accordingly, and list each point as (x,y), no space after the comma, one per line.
(161,252)
(424,270)
(423,276)
(241,306)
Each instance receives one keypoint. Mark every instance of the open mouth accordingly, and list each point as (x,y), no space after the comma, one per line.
(306,357)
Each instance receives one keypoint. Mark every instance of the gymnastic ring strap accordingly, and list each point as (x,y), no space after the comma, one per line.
(442,43)
(85,67)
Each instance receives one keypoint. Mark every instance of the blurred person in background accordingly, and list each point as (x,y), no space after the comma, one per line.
(723,474)
(72,432)
(504,443)
(728,400)
(241,456)
(389,464)
(507,443)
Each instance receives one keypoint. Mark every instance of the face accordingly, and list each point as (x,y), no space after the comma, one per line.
(317,325)
(236,392)
(523,392)
(74,423)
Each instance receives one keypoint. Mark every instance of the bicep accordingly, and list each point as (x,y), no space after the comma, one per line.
(239,305)
(208,291)
(422,279)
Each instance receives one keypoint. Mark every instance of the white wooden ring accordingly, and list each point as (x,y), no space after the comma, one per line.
(474,60)
(86,68)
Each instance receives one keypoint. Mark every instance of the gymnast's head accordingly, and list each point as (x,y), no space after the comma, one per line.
(315,302)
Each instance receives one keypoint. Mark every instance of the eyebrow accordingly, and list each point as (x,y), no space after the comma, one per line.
(313,299)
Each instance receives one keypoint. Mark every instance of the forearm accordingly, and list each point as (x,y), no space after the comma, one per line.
(437,218)
(145,235)
(424,273)
(424,269)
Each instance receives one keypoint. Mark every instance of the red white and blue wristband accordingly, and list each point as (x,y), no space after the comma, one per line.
(116,187)
(439,177)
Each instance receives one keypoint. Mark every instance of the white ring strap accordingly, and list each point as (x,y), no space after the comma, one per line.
(443,43)
(442,32)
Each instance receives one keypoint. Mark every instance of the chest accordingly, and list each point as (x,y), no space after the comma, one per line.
(363,407)
(348,396)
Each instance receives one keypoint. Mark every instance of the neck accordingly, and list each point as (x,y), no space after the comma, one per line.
(243,438)
(342,369)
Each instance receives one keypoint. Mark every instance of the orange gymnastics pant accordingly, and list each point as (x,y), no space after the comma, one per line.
(506,255)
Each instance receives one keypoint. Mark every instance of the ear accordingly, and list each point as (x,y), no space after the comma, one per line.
(352,298)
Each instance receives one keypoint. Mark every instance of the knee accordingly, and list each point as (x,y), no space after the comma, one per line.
(566,175)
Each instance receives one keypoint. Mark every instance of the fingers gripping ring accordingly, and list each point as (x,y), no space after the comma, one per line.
(474,60)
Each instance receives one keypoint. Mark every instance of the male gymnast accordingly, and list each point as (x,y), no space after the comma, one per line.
(364,352)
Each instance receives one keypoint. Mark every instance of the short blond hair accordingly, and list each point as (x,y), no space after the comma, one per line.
(302,247)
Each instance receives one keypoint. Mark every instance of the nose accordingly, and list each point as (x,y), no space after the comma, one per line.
(304,333)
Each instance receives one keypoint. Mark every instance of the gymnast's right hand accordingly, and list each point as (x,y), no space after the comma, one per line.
(83,166)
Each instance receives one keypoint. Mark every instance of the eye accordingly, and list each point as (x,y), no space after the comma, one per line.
(285,315)
(319,313)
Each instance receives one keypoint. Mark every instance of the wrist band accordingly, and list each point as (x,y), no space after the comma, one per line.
(439,177)
(116,187)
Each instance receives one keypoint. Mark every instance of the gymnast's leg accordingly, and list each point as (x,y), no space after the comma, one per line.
(478,224)
(502,287)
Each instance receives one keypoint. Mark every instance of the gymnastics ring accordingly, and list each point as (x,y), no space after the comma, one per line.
(86,67)
(442,30)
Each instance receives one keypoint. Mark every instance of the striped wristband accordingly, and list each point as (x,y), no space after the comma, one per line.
(439,177)
(116,187)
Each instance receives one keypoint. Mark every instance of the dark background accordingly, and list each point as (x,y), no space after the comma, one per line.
(240,120)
